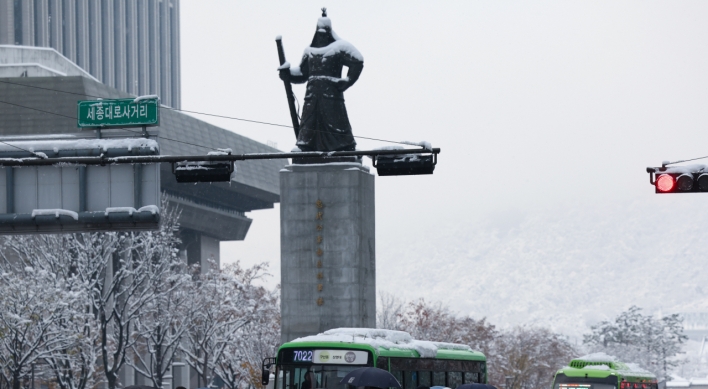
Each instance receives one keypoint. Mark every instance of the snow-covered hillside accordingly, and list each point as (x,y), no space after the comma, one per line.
(564,267)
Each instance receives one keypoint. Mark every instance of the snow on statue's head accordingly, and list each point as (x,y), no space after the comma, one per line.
(324,35)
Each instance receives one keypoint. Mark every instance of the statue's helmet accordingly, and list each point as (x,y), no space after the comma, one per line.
(324,35)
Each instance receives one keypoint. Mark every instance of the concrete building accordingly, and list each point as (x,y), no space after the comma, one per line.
(131,45)
(210,212)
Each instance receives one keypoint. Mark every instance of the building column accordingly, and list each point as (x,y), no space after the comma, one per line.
(41,23)
(131,47)
(27,17)
(180,373)
(200,249)
(165,72)
(108,27)
(7,22)
(176,81)
(143,48)
(83,31)
(56,28)
(95,40)
(154,49)
(119,48)
(126,376)
(69,30)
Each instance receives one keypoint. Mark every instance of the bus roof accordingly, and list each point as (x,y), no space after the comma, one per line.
(388,343)
(601,365)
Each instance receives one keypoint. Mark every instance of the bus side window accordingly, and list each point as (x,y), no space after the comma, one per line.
(399,376)
(411,379)
(382,363)
(438,378)
(424,378)
(454,379)
(471,378)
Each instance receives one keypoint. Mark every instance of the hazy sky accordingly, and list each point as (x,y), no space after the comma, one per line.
(534,104)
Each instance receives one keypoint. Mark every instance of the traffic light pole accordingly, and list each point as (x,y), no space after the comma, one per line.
(323,155)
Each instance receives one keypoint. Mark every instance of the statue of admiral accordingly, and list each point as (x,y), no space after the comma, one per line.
(324,125)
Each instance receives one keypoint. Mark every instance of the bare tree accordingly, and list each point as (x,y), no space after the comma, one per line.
(162,321)
(222,304)
(33,304)
(528,355)
(239,366)
(390,312)
(526,358)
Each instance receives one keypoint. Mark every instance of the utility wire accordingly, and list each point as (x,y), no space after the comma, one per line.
(685,160)
(196,112)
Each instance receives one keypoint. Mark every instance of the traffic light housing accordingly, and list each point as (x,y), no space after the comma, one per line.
(681,179)
(405,164)
(203,171)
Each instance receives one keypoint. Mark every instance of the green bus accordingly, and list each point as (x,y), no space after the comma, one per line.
(331,355)
(601,371)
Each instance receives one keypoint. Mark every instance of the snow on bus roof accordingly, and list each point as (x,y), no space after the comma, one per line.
(387,339)
(598,357)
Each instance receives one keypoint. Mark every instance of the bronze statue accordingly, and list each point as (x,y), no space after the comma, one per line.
(324,125)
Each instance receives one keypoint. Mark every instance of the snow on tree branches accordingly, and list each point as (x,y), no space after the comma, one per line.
(643,339)
(520,358)
(75,309)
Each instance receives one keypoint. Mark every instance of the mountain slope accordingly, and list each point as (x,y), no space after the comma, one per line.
(565,267)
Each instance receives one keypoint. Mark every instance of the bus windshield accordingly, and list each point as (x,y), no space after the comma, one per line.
(312,376)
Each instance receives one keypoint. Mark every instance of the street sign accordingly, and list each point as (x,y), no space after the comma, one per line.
(137,112)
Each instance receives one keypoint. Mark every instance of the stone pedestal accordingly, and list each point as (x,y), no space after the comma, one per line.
(327,248)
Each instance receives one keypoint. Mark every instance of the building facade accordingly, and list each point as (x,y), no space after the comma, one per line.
(130,45)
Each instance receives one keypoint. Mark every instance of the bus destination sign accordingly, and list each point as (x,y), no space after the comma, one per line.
(341,357)
(135,112)
(337,357)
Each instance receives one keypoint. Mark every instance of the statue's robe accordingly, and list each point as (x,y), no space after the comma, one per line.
(324,124)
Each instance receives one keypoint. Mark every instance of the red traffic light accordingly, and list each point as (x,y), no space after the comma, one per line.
(665,183)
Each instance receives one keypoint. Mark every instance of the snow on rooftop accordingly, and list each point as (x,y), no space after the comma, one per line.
(387,339)
(79,144)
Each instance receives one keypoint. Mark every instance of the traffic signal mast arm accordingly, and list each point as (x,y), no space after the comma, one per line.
(325,156)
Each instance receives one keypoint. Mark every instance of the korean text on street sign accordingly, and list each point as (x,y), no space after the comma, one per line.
(119,113)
